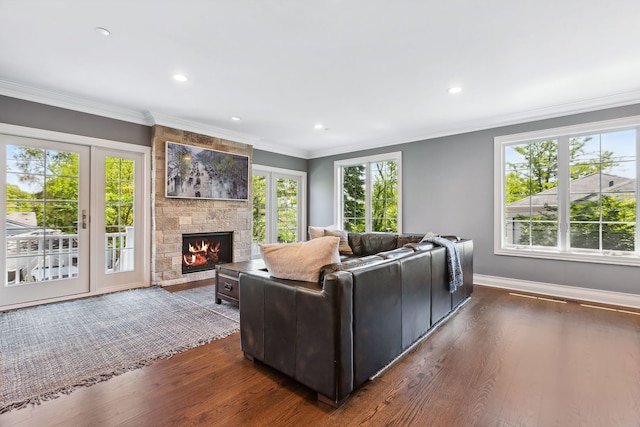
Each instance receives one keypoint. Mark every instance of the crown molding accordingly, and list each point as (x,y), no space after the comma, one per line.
(56,99)
(274,147)
(549,112)
(175,122)
(164,120)
(148,118)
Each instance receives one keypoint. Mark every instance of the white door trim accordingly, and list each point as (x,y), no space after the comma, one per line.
(146,190)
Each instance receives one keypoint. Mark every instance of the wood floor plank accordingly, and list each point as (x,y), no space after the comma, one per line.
(502,360)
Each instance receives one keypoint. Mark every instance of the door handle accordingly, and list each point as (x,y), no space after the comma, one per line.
(84,219)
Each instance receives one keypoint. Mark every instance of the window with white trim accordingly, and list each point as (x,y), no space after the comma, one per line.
(369,193)
(569,193)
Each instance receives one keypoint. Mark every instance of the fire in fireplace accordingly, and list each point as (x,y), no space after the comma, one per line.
(203,251)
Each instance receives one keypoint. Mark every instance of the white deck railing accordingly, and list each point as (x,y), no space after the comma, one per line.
(34,258)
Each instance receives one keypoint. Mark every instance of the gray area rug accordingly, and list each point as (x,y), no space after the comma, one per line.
(206,297)
(50,350)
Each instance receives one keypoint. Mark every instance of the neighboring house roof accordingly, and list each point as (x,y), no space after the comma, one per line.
(27,218)
(588,188)
(25,224)
(14,228)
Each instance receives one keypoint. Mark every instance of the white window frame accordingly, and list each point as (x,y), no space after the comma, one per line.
(562,252)
(272,174)
(339,185)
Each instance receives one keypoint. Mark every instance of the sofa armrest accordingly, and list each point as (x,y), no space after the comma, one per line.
(377,324)
(302,329)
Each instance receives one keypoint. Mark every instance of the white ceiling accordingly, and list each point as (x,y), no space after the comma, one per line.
(374,72)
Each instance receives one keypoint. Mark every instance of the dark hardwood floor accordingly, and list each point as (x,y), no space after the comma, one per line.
(503,360)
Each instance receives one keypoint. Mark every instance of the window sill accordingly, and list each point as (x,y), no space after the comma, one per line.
(630,260)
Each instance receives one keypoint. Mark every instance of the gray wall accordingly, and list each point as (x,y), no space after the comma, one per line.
(40,116)
(267,158)
(30,114)
(448,189)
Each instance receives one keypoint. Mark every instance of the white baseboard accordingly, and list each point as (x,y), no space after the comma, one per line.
(560,291)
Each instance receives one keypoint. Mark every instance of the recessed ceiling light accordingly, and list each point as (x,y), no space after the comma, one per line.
(318,126)
(102,31)
(236,118)
(454,90)
(180,77)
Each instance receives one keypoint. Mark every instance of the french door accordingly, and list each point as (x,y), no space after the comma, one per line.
(75,220)
(119,226)
(279,206)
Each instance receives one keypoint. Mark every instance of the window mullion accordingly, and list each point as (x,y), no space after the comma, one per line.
(339,192)
(268,206)
(637,234)
(367,198)
(564,201)
(275,208)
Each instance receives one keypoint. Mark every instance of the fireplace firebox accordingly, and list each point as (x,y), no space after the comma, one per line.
(203,251)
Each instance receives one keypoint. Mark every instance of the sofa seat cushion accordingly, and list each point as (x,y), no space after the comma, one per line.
(421,246)
(349,264)
(302,260)
(396,253)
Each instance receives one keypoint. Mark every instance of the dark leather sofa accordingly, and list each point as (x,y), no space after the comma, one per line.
(363,313)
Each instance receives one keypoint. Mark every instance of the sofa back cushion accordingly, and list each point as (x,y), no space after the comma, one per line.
(404,239)
(364,244)
(355,243)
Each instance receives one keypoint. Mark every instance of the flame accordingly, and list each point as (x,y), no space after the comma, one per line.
(199,254)
(202,247)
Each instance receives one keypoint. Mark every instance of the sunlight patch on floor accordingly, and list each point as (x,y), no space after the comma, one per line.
(535,297)
(610,309)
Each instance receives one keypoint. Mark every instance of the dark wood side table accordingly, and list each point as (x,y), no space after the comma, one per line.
(227,282)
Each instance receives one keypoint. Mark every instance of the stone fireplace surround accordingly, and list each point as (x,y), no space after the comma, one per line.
(172,217)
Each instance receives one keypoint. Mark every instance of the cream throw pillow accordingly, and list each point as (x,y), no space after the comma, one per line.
(344,247)
(315,232)
(302,260)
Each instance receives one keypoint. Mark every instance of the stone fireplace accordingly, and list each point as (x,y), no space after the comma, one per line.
(174,217)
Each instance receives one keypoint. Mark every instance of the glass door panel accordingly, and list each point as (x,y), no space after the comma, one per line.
(119,219)
(259,209)
(119,229)
(45,230)
(287,201)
